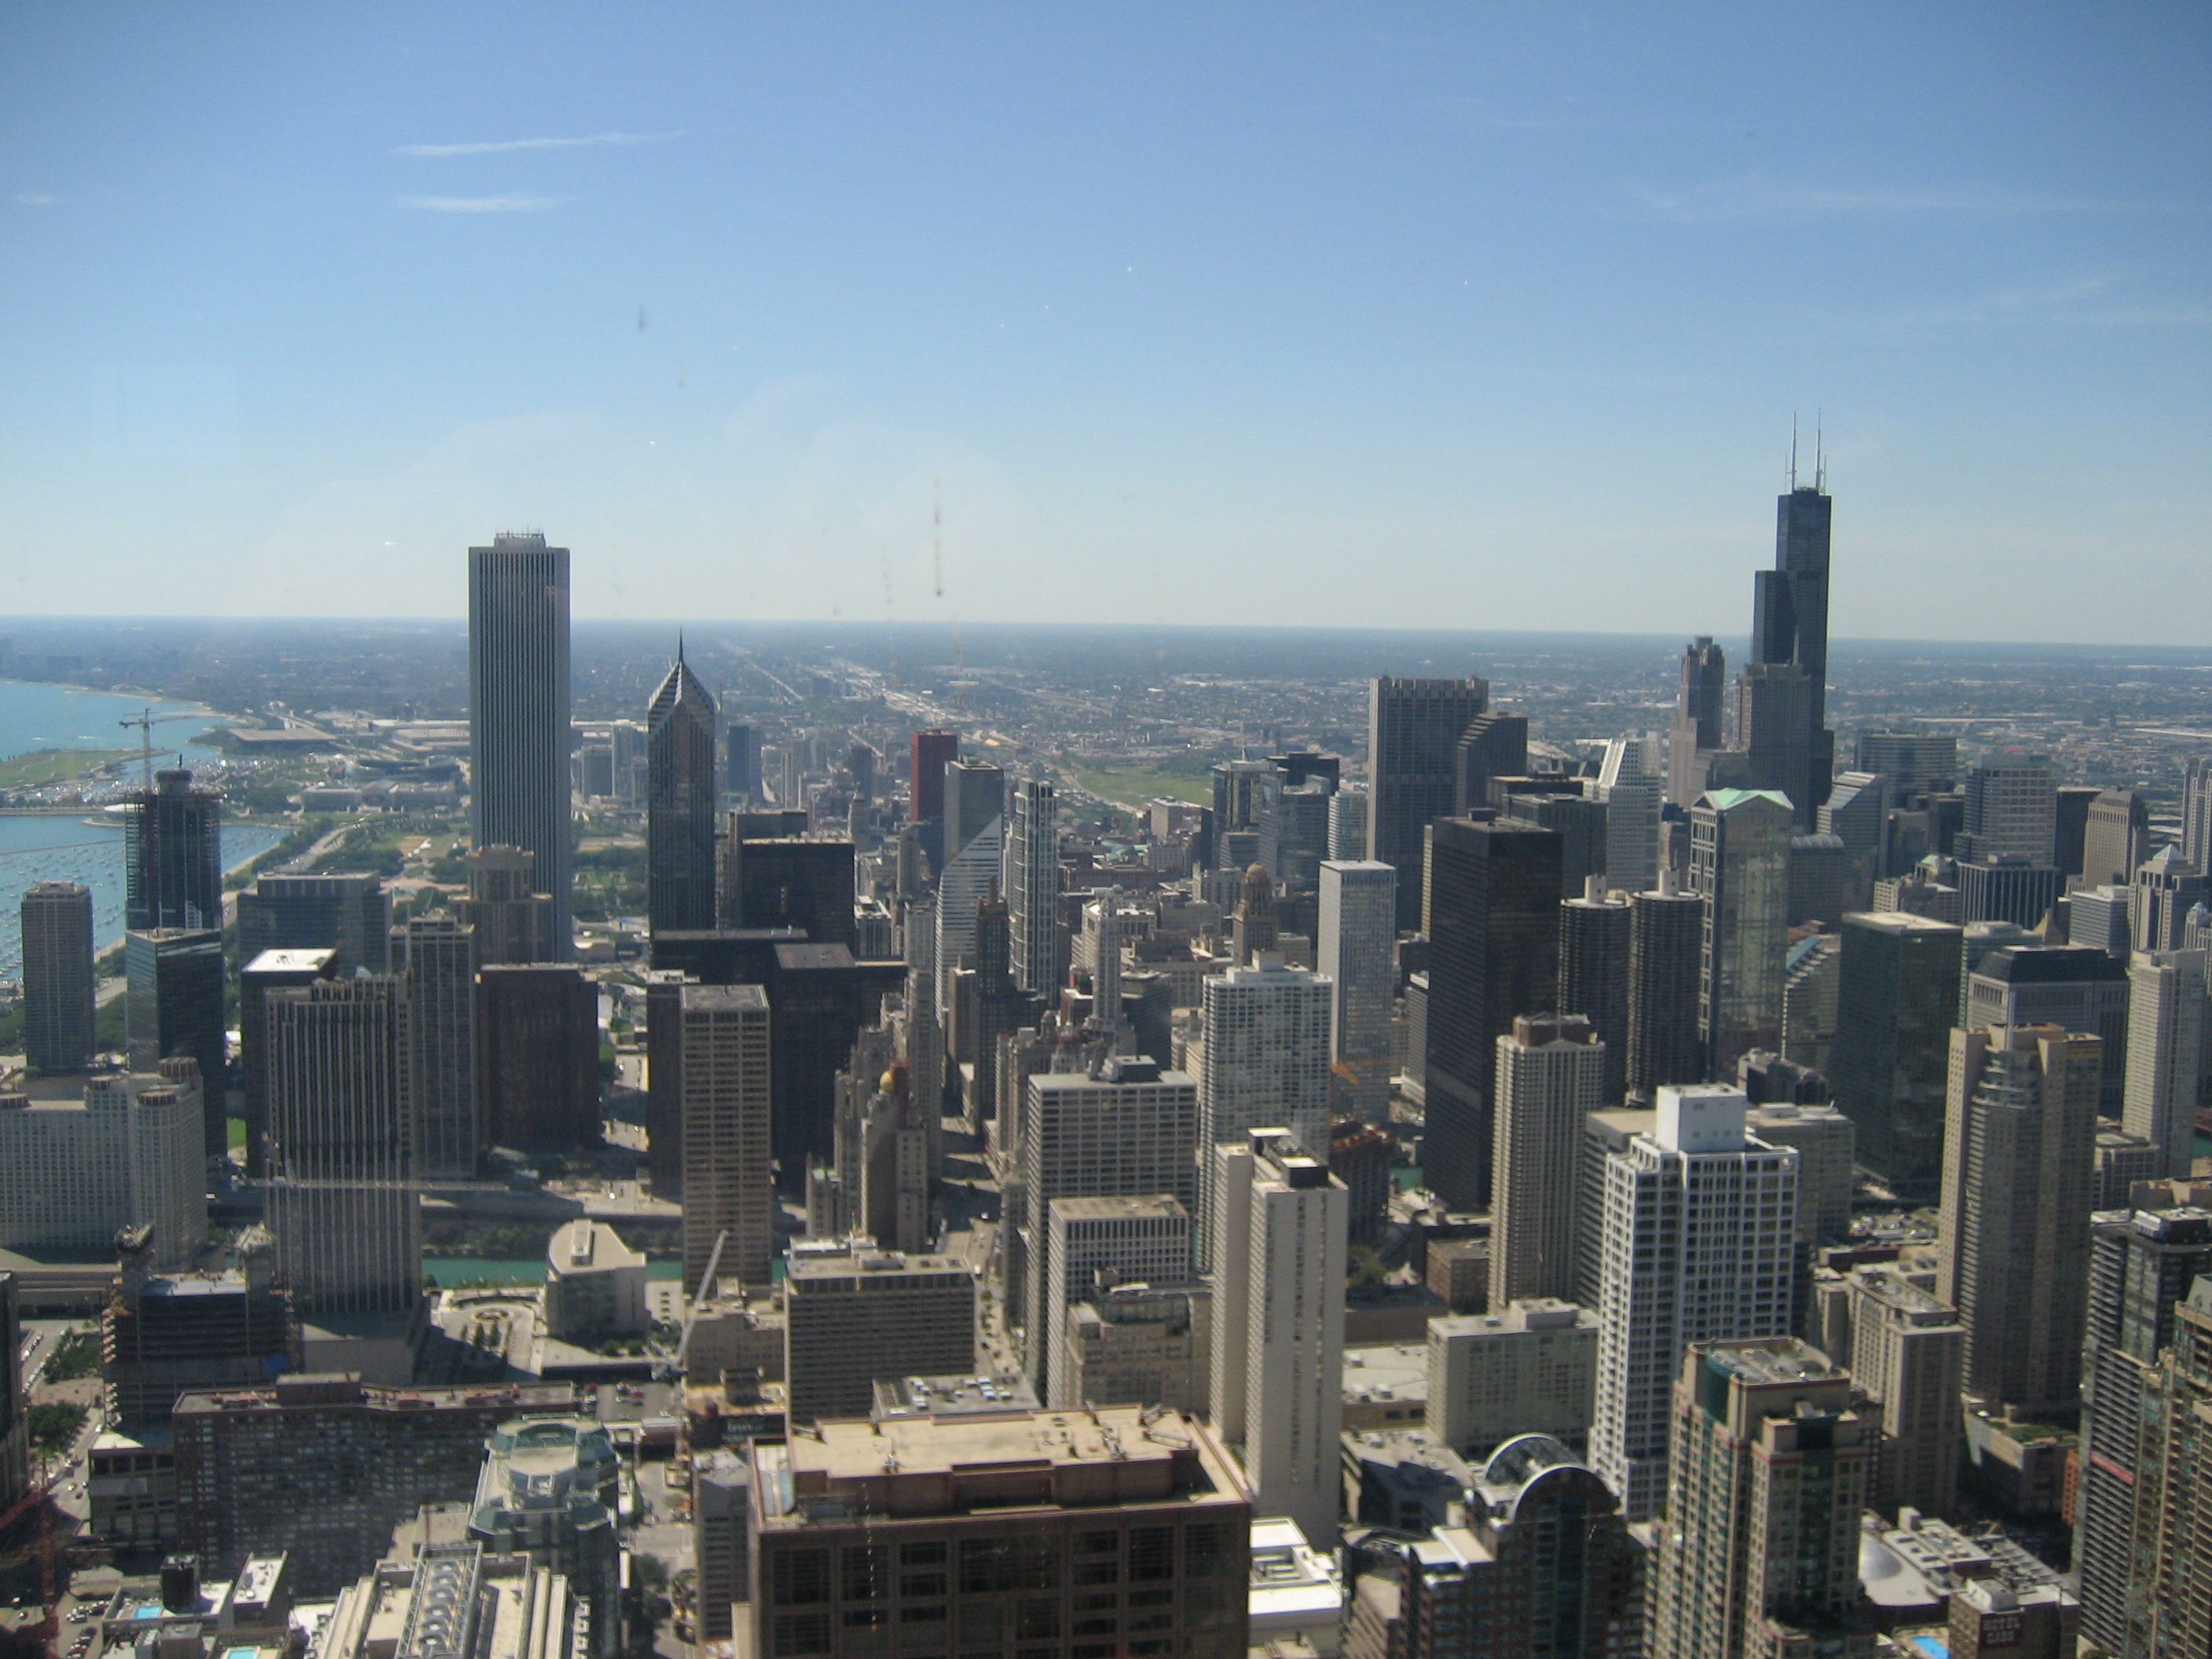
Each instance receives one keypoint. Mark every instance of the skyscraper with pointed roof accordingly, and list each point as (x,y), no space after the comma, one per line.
(680,832)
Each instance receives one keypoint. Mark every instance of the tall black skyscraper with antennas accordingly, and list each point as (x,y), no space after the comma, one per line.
(1790,624)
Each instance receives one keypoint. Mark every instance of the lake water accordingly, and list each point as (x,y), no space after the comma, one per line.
(87,847)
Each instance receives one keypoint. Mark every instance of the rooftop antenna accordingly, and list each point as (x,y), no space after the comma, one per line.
(1793,449)
(1820,454)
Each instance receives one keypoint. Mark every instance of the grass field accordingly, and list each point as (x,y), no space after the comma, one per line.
(1132,785)
(44,766)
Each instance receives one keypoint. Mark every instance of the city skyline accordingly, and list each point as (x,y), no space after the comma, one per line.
(759,302)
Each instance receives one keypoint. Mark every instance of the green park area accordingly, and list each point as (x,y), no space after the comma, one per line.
(41,767)
(1133,783)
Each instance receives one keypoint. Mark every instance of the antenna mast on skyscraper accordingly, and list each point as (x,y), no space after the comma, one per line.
(1820,453)
(1793,449)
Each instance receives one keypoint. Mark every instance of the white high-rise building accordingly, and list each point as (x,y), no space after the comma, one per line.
(1699,1225)
(1281,1222)
(81,1158)
(2197,814)
(1032,888)
(2166,1053)
(1632,782)
(1551,1077)
(1265,1059)
(1356,948)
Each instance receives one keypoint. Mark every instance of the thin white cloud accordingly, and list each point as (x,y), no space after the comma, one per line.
(502,146)
(1756,196)
(514,203)
(2078,302)
(32,199)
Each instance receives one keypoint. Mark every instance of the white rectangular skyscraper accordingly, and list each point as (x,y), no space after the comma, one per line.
(1032,887)
(1356,948)
(1265,1059)
(1280,1221)
(1699,1225)
(519,729)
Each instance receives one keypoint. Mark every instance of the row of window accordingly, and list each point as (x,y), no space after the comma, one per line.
(868,1573)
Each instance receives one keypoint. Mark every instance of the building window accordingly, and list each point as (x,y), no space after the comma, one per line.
(802,1577)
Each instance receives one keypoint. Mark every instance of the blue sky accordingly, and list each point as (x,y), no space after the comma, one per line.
(1464,315)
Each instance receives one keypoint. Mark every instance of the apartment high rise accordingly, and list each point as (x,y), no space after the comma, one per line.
(269,971)
(2172,1602)
(1038,948)
(1129,1132)
(348,912)
(1666,938)
(2019,1159)
(173,856)
(507,907)
(1551,1076)
(1279,1225)
(1695,730)
(437,967)
(57,977)
(1699,1225)
(1897,997)
(1355,950)
(1740,865)
(1494,922)
(1775,1455)
(342,1192)
(1595,949)
(1267,1053)
(1527,1367)
(2165,1059)
(83,1158)
(519,712)
(174,1006)
(1413,728)
(729,1192)
(2142,1265)
(679,822)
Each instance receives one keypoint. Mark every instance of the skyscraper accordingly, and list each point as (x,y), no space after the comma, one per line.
(2143,1263)
(1775,1455)
(741,749)
(1494,916)
(1696,727)
(1494,745)
(2012,806)
(172,855)
(437,973)
(2166,888)
(1413,729)
(1266,1054)
(1256,929)
(57,977)
(1666,931)
(1354,949)
(1033,889)
(342,1197)
(507,907)
(1632,783)
(2197,814)
(2019,1157)
(2165,1060)
(1789,625)
(679,825)
(1856,813)
(174,1006)
(1594,941)
(271,970)
(974,845)
(537,1057)
(1091,1245)
(1551,1077)
(1279,1223)
(1896,998)
(2115,838)
(1740,865)
(1907,1350)
(519,730)
(348,912)
(2076,989)
(1773,727)
(729,1190)
(1700,1223)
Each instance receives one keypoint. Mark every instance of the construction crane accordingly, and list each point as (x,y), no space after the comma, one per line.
(39,1498)
(146,720)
